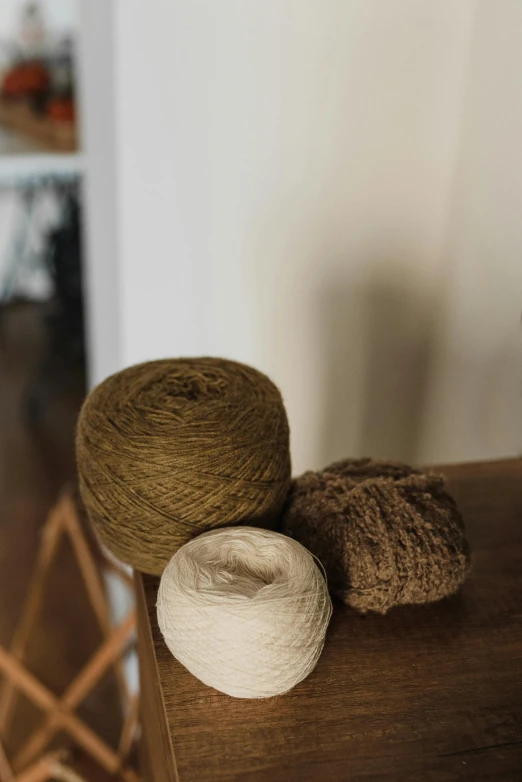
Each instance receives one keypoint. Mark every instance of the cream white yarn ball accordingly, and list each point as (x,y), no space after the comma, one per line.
(245,610)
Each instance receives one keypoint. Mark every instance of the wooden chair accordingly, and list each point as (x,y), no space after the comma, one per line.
(32,763)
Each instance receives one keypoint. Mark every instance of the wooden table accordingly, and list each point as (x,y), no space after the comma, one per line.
(424,693)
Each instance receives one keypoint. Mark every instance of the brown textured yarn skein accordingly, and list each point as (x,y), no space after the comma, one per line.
(169,449)
(385,533)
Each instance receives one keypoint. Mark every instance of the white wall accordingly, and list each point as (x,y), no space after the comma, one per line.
(102,276)
(61,16)
(270,181)
(332,162)
(475,405)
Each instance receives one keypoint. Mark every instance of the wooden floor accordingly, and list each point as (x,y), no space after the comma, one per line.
(38,411)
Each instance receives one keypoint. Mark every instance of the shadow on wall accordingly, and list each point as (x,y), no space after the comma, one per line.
(377,348)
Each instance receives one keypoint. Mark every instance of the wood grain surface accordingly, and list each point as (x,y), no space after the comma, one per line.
(424,693)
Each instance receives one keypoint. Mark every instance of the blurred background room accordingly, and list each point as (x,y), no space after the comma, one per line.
(326,190)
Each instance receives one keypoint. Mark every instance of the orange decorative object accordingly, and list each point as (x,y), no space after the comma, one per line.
(61,110)
(25,80)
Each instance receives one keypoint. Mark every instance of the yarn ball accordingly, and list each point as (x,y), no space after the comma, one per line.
(387,534)
(169,449)
(245,611)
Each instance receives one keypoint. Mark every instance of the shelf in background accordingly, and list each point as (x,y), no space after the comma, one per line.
(12,143)
(14,167)
(54,136)
(23,157)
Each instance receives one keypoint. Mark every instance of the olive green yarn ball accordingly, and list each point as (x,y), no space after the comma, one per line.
(169,449)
